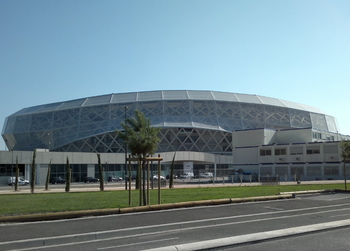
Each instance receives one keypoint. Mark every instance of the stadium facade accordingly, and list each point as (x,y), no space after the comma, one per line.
(190,122)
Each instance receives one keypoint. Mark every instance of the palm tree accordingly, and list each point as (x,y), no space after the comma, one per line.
(142,141)
(345,154)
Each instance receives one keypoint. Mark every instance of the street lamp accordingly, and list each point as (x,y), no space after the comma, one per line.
(126,152)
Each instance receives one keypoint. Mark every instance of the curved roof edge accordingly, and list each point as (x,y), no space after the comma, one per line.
(146,96)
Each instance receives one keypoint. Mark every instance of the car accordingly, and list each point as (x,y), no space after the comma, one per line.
(155,177)
(58,180)
(91,179)
(22,182)
(132,177)
(174,176)
(187,175)
(117,179)
(204,175)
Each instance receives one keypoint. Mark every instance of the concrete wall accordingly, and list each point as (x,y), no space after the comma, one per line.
(252,137)
(294,136)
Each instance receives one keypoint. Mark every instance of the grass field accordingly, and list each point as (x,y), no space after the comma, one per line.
(16,204)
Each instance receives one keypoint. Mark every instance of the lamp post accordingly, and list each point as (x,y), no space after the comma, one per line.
(126,152)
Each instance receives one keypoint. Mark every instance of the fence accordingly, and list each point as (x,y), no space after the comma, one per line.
(269,180)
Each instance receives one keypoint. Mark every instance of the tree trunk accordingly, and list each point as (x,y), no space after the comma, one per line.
(100,169)
(344,171)
(17,175)
(48,177)
(68,176)
(139,181)
(171,178)
(32,176)
(144,183)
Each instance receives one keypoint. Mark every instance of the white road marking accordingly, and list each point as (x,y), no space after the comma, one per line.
(137,243)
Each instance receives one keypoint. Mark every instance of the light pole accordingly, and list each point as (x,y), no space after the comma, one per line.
(126,152)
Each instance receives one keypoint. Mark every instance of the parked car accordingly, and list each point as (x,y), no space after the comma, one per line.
(58,180)
(21,182)
(132,178)
(116,179)
(205,175)
(187,175)
(91,179)
(174,176)
(155,177)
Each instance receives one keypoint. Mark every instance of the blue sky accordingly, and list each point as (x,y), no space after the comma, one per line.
(59,50)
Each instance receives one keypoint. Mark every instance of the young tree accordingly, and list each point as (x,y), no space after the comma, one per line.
(171,178)
(345,154)
(32,176)
(100,169)
(17,175)
(68,176)
(48,177)
(141,138)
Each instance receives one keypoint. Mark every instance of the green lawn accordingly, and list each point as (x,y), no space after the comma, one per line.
(16,204)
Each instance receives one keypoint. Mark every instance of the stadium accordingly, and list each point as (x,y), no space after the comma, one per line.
(199,121)
(192,122)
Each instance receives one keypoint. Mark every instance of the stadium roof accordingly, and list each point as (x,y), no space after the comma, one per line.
(165,95)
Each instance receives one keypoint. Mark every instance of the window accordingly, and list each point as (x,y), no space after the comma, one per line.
(281,171)
(297,170)
(296,150)
(314,170)
(281,151)
(331,170)
(265,152)
(266,170)
(317,135)
(313,151)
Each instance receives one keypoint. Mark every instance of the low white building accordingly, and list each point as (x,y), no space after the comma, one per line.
(287,153)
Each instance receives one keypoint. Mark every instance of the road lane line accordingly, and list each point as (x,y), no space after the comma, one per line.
(137,243)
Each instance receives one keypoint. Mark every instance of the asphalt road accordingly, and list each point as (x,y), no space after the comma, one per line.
(335,239)
(185,229)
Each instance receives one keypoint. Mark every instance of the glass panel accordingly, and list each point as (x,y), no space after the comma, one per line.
(331,124)
(205,95)
(124,97)
(154,95)
(71,104)
(318,121)
(175,95)
(277,117)
(97,100)
(300,119)
(23,123)
(225,96)
(248,98)
(173,108)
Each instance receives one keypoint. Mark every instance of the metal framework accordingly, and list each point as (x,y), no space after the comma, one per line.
(189,120)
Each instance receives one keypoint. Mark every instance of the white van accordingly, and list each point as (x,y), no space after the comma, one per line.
(12,180)
(187,176)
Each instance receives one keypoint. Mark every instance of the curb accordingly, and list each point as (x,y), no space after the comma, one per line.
(109,211)
(253,238)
